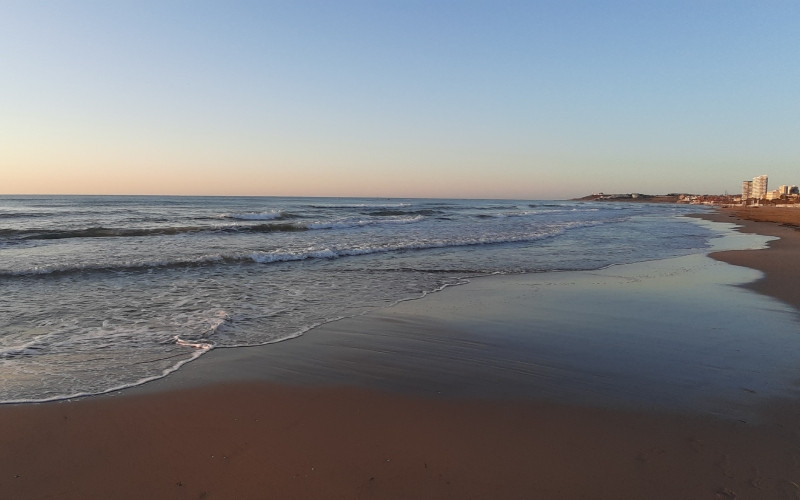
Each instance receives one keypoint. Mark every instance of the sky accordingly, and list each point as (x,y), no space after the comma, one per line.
(379,98)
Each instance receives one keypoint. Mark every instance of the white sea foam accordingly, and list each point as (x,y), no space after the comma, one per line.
(360,205)
(114,266)
(197,345)
(117,312)
(269,257)
(353,223)
(328,252)
(94,350)
(333,253)
(17,346)
(270,215)
(196,353)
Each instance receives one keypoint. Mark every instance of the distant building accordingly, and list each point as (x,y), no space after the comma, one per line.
(747,189)
(760,187)
(757,188)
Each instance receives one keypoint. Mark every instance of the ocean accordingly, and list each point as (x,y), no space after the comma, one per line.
(99,293)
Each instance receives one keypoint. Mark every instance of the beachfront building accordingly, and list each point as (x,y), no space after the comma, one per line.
(747,189)
(760,187)
(755,189)
(784,192)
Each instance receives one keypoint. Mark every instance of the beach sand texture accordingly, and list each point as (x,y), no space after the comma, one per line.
(234,427)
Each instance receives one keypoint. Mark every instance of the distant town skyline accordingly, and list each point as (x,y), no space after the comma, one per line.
(758,189)
(547,100)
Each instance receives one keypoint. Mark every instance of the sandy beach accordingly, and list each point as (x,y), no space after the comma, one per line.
(462,412)
(780,264)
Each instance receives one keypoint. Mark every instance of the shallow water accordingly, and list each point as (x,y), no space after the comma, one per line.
(100,293)
(677,335)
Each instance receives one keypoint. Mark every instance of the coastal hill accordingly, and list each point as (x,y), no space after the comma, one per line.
(645,198)
(696,199)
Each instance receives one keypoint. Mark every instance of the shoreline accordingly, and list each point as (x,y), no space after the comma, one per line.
(566,337)
(780,269)
(351,422)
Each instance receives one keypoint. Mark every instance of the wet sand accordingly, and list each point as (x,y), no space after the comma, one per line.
(780,262)
(257,440)
(470,393)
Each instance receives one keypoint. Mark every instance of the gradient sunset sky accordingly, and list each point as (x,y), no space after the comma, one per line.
(489,99)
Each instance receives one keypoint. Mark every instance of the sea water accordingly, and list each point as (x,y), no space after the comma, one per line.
(99,293)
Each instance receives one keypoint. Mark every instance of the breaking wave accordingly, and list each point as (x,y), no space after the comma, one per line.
(265,257)
(273,227)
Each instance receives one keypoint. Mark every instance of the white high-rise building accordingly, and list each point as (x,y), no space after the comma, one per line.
(759,187)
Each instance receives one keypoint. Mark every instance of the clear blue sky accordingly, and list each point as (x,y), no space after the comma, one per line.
(398,98)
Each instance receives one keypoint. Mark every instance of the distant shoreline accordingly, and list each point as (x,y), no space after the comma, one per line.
(719,200)
(634,197)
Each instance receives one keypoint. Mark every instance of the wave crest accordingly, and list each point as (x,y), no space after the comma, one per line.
(271,215)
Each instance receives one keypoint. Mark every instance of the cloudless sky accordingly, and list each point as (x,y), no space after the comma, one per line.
(512,99)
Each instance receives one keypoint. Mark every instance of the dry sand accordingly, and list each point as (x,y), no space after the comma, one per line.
(263,440)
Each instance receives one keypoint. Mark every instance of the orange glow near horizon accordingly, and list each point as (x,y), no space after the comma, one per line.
(150,183)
